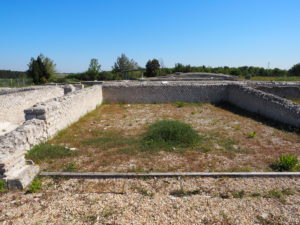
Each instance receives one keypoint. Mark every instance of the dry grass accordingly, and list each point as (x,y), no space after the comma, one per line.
(108,140)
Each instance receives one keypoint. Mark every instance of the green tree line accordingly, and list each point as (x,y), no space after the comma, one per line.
(8,74)
(42,70)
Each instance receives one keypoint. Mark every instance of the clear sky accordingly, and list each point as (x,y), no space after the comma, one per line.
(196,32)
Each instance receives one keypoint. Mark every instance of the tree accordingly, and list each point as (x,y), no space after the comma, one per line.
(123,64)
(93,71)
(152,68)
(95,66)
(295,70)
(41,69)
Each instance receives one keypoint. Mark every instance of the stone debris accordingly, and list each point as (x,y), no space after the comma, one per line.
(149,201)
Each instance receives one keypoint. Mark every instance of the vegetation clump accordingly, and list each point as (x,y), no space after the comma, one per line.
(170,134)
(48,151)
(285,163)
(35,186)
(3,186)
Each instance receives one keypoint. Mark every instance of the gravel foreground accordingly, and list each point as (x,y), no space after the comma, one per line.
(156,201)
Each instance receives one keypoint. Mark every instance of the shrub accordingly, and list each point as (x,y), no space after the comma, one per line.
(170,134)
(48,151)
(285,163)
(35,186)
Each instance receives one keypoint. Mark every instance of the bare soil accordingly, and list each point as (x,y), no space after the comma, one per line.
(227,144)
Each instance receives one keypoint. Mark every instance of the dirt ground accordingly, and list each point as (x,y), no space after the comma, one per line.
(107,140)
(242,201)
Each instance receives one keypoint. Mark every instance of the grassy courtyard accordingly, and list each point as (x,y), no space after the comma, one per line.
(112,138)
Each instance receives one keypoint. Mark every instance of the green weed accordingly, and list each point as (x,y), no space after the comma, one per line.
(47,151)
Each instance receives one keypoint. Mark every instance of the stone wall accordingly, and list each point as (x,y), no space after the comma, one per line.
(14,101)
(265,104)
(42,122)
(250,99)
(61,112)
(163,92)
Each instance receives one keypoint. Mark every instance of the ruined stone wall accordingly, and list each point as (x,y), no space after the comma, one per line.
(163,92)
(61,112)
(14,101)
(265,104)
(250,99)
(292,92)
(42,122)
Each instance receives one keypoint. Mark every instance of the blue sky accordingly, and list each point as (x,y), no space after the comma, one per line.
(196,32)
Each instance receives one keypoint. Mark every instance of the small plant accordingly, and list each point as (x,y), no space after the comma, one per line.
(285,163)
(252,134)
(71,167)
(181,192)
(238,194)
(180,104)
(35,186)
(274,194)
(144,192)
(170,134)
(3,187)
(255,195)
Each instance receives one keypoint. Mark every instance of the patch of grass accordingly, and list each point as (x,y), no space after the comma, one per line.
(181,192)
(144,192)
(295,100)
(71,167)
(252,134)
(285,163)
(3,186)
(108,140)
(229,144)
(35,186)
(238,194)
(279,194)
(47,151)
(168,134)
(179,104)
(255,195)
(277,78)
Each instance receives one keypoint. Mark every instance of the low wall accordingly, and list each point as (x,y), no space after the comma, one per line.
(43,121)
(61,112)
(250,99)
(163,92)
(265,104)
(14,101)
(282,91)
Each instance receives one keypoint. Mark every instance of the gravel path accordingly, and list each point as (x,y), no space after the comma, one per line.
(156,201)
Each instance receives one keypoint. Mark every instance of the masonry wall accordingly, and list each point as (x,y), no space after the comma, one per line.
(61,112)
(14,101)
(163,92)
(42,122)
(265,104)
(282,91)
